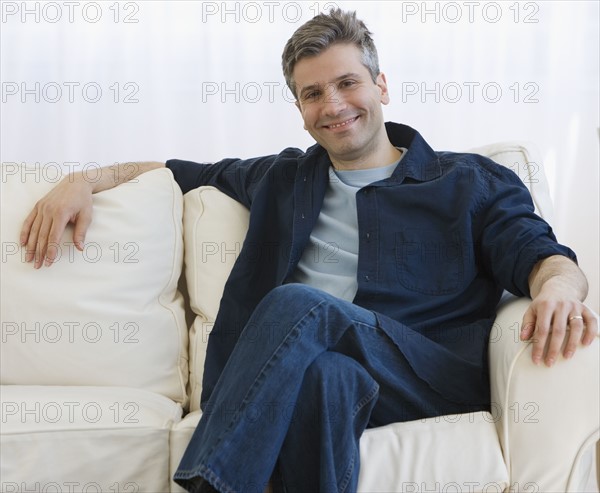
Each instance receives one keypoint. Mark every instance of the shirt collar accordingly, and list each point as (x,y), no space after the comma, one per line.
(419,163)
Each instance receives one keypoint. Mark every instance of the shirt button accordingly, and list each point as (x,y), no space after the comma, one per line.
(368,236)
(367,278)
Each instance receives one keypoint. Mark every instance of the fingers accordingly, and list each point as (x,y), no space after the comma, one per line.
(32,249)
(42,242)
(41,232)
(528,325)
(26,228)
(557,334)
(576,328)
(29,234)
(69,202)
(542,331)
(81,225)
(583,328)
(551,326)
(51,248)
(590,326)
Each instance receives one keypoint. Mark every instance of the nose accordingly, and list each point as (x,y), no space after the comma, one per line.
(333,101)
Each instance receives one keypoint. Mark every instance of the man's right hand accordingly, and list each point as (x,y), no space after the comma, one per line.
(70,202)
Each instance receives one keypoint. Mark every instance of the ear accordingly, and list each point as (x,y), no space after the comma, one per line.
(382,84)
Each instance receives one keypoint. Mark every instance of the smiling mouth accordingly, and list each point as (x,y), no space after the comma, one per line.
(334,126)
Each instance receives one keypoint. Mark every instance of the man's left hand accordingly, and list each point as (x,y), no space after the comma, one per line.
(556,316)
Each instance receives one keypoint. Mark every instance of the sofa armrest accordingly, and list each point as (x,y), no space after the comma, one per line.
(547,418)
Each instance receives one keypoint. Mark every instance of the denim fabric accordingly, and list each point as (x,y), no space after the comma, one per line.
(309,373)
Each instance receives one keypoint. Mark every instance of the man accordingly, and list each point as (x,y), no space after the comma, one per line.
(307,353)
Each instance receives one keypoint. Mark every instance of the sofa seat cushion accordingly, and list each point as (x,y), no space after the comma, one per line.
(454,453)
(85,439)
(110,315)
(181,434)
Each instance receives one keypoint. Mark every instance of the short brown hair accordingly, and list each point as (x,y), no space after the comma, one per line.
(323,31)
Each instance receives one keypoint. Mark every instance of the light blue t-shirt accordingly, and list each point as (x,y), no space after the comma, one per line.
(330,260)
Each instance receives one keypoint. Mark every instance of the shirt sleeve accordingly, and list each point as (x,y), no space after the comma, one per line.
(237,178)
(514,238)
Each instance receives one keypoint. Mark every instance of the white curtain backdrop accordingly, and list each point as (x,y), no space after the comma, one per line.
(102,82)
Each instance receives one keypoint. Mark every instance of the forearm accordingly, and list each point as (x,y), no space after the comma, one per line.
(71,202)
(560,273)
(116,174)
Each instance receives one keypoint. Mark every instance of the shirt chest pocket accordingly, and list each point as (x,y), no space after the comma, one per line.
(430,261)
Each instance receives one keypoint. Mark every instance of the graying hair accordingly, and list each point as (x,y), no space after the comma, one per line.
(323,31)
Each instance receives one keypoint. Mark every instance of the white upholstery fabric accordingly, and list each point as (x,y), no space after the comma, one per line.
(131,438)
(110,315)
(85,439)
(552,414)
(180,437)
(449,453)
(214,230)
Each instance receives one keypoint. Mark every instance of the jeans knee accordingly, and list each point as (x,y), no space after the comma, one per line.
(287,293)
(329,365)
(335,387)
(338,372)
(278,312)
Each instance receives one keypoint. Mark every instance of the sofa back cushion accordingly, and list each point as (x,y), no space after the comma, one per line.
(110,315)
(214,230)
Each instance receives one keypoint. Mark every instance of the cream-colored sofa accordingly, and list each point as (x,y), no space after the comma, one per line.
(102,356)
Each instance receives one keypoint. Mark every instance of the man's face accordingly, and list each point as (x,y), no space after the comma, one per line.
(340,104)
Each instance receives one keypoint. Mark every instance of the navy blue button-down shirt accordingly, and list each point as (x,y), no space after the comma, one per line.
(438,243)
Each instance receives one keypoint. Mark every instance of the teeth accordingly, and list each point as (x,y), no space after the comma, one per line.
(336,125)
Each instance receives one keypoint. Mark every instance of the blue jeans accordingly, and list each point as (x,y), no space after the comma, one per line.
(309,373)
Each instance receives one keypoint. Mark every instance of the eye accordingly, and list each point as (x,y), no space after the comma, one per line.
(312,95)
(347,83)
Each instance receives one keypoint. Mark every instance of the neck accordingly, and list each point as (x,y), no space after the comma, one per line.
(383,156)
